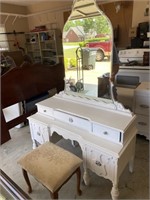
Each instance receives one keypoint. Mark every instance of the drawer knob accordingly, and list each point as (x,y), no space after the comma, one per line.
(98,163)
(144,106)
(38,133)
(70,120)
(44,110)
(105,133)
(142,123)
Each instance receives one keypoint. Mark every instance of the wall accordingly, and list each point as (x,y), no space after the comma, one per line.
(52,18)
(56,11)
(121,19)
(20,24)
(54,14)
(9,8)
(138,12)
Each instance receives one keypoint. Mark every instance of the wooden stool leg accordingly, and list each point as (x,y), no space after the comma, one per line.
(78,173)
(54,195)
(27,180)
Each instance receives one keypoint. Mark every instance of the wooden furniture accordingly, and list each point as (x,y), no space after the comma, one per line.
(52,166)
(17,56)
(11,59)
(142,108)
(106,135)
(9,189)
(25,84)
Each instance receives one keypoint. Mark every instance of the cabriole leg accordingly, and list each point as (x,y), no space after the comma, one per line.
(27,180)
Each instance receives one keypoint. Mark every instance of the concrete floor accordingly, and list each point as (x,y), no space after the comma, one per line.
(131,186)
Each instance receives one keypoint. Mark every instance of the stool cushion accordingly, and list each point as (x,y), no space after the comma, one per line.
(50,164)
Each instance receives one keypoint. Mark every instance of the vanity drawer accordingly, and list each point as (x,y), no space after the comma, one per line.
(73,120)
(106,133)
(45,110)
(99,162)
(40,132)
(142,123)
(142,105)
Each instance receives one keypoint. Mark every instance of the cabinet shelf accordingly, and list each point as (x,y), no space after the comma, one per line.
(45,45)
(47,41)
(49,57)
(32,43)
(35,51)
(53,50)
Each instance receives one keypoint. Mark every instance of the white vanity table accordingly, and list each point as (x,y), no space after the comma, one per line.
(105,131)
(107,136)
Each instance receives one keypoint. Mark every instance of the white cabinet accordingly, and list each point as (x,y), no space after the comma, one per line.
(106,133)
(142,108)
(33,46)
(51,46)
(99,162)
(44,46)
(73,120)
(40,133)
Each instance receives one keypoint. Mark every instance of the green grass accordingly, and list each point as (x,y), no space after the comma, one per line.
(70,57)
(70,43)
(70,53)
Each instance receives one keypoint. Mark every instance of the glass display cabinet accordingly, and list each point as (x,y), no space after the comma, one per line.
(103,128)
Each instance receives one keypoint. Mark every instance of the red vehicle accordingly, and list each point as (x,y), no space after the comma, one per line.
(103,49)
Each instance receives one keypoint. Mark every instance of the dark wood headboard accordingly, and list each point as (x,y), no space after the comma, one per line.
(24,83)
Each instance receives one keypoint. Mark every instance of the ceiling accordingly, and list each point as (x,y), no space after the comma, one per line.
(23,2)
(31,2)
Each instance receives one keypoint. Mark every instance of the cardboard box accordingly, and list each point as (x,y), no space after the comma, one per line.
(132,32)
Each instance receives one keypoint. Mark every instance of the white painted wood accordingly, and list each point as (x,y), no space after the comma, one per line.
(106,134)
(13,111)
(142,108)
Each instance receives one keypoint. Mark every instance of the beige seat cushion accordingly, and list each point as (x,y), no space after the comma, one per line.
(50,164)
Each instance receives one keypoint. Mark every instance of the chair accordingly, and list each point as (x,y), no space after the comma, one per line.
(52,166)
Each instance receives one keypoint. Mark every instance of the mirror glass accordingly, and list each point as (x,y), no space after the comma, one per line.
(87,47)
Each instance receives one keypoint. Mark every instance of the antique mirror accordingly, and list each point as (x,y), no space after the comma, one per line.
(87,47)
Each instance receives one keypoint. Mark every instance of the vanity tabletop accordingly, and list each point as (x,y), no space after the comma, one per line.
(106,117)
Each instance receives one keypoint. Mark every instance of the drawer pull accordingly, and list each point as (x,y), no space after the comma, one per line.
(144,106)
(142,123)
(105,133)
(98,163)
(38,133)
(44,110)
(70,120)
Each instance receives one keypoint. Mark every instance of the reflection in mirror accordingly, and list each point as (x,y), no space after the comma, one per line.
(87,46)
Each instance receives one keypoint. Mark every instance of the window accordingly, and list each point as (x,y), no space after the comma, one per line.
(3,39)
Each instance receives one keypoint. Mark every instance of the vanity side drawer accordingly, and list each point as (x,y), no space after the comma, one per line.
(142,123)
(40,132)
(73,120)
(142,105)
(106,133)
(99,162)
(45,110)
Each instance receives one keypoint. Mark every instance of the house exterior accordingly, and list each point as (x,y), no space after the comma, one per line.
(74,34)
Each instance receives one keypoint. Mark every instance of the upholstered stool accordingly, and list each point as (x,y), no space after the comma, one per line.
(52,166)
